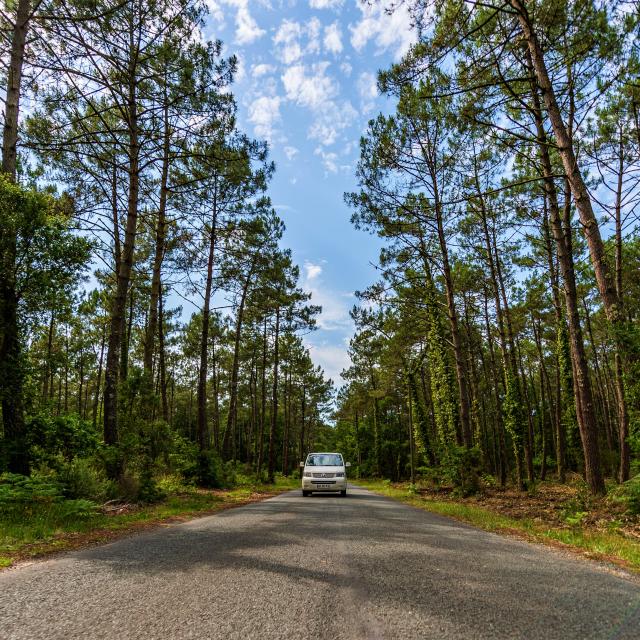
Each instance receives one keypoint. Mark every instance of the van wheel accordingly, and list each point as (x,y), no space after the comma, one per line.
(343,493)
(305,493)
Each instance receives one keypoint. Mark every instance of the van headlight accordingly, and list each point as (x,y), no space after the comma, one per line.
(340,474)
(308,474)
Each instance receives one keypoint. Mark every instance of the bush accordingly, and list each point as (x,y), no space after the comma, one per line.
(74,509)
(172,484)
(81,479)
(21,495)
(182,455)
(148,489)
(206,471)
(128,487)
(629,494)
(66,437)
(16,489)
(463,467)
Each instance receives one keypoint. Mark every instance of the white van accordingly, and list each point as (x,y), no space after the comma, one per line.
(324,472)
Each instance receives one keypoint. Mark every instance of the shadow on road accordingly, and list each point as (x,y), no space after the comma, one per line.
(392,556)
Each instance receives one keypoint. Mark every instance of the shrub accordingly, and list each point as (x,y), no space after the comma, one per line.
(55,437)
(16,489)
(182,455)
(82,479)
(148,489)
(463,467)
(74,509)
(128,487)
(172,483)
(21,495)
(206,471)
(629,494)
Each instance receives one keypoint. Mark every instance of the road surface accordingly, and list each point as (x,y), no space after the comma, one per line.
(322,567)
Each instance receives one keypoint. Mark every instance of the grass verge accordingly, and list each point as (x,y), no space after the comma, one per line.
(44,529)
(610,547)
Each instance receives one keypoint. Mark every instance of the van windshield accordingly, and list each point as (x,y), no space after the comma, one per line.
(324,460)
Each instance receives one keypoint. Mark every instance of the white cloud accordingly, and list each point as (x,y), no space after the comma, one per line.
(388,31)
(329,159)
(309,90)
(368,90)
(290,36)
(330,121)
(247,29)
(333,359)
(346,68)
(259,70)
(264,114)
(335,308)
(311,270)
(287,40)
(313,29)
(313,88)
(325,4)
(241,70)
(215,11)
(333,38)
(290,152)
(329,346)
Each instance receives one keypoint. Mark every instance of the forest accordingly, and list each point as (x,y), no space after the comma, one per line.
(127,191)
(500,344)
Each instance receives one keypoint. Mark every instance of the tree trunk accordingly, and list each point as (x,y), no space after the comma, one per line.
(263,397)
(204,338)
(274,402)
(287,419)
(159,245)
(123,270)
(96,397)
(502,449)
(461,373)
(232,415)
(162,358)
(558,426)
(13,88)
(47,365)
(584,396)
(623,413)
(80,381)
(565,148)
(303,418)
(506,347)
(11,365)
(215,380)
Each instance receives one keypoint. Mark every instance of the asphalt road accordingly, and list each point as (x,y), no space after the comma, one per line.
(322,567)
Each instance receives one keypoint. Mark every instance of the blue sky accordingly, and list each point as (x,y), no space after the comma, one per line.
(307,83)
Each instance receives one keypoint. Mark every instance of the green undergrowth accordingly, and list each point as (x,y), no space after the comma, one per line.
(603,545)
(40,526)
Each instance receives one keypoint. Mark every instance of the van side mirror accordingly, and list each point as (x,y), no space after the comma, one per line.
(301,465)
(347,464)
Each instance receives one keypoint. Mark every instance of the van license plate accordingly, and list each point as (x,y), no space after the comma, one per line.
(323,486)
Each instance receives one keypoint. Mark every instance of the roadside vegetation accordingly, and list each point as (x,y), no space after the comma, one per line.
(560,515)
(37,516)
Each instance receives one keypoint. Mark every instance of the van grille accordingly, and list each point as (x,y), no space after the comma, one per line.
(324,475)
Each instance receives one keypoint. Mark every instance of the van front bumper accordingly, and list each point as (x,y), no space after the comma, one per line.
(321,484)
